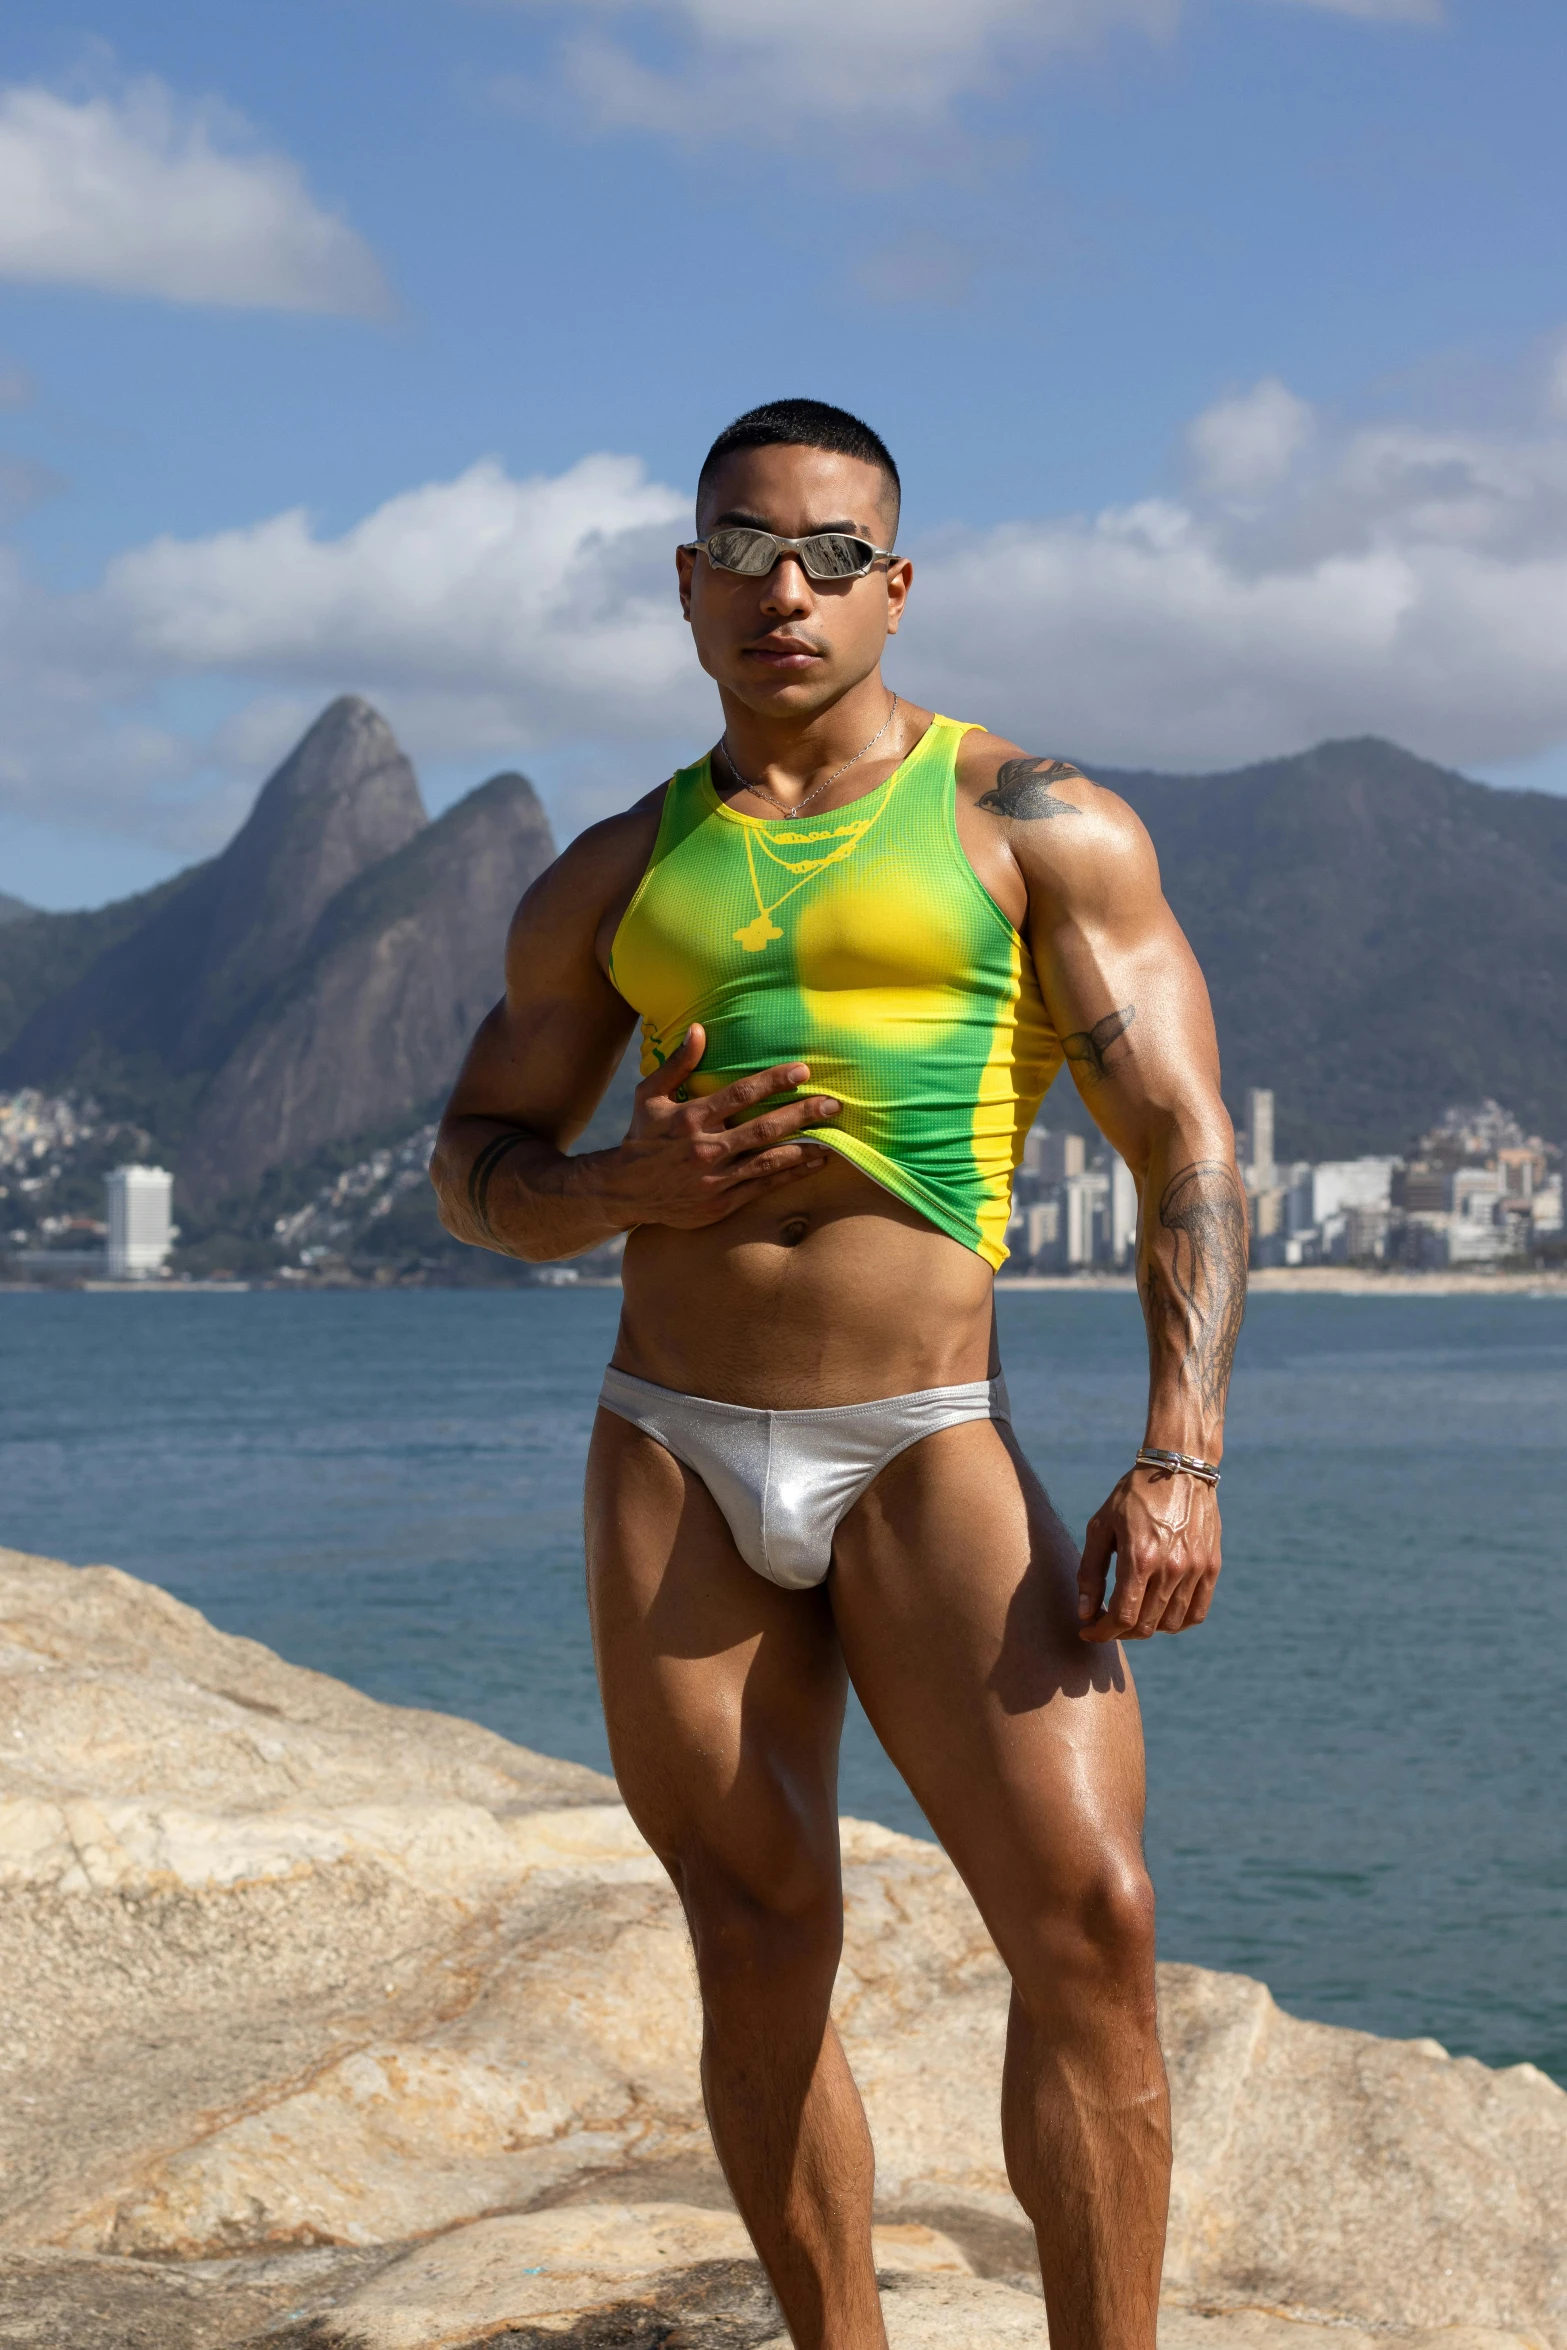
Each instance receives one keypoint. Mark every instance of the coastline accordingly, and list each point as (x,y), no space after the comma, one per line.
(1269,1280)
(1327,1281)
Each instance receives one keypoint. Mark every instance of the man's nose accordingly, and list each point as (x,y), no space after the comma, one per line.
(788,590)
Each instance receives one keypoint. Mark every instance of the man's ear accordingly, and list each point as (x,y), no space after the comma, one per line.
(900,577)
(685,564)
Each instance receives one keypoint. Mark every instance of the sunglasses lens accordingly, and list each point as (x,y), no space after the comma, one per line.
(751,552)
(830,554)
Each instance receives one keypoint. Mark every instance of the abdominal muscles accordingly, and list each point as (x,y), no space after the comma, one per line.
(826,1291)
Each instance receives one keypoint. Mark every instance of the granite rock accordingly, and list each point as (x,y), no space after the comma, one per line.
(323,2012)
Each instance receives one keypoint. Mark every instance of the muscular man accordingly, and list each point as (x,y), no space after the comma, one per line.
(861,939)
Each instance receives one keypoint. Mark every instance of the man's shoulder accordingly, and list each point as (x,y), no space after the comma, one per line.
(595,873)
(607,847)
(1048,809)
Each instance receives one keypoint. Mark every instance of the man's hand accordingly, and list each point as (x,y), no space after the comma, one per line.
(1163,1532)
(690,1163)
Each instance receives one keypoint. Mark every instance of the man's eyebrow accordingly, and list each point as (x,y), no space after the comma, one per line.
(737,514)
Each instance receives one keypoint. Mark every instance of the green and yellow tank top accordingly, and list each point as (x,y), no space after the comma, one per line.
(862,942)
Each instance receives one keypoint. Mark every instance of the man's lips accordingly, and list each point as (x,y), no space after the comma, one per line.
(783,653)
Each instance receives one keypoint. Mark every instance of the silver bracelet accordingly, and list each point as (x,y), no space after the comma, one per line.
(1153,1456)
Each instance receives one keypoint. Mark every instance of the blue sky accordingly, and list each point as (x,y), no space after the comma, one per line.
(375,344)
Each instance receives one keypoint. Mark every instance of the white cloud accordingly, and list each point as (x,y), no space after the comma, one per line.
(1394,580)
(490,617)
(749,70)
(135,194)
(1248,444)
(839,61)
(522,604)
(1310,580)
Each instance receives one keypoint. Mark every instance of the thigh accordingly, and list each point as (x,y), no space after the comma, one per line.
(954,1592)
(723,1695)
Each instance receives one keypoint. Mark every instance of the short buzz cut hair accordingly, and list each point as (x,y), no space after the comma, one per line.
(804,424)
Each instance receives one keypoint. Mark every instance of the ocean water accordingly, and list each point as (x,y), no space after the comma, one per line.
(1356,1766)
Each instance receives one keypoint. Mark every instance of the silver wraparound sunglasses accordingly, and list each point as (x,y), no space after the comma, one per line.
(824,554)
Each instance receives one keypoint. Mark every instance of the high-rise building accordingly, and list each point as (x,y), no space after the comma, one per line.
(1123,1212)
(1060,1155)
(141,1226)
(1260,1172)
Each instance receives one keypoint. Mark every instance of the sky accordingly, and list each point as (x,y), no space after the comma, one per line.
(374,345)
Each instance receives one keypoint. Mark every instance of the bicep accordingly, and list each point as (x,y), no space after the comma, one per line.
(1128,1000)
(544,1056)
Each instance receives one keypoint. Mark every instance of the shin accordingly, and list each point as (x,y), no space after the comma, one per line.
(1085,2110)
(785,2115)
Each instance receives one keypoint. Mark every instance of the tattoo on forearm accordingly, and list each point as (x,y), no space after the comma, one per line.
(481,1174)
(1194,1289)
(1022,789)
(1088,1046)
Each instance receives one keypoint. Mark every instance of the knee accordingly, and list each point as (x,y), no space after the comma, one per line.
(1096,1937)
(772,1925)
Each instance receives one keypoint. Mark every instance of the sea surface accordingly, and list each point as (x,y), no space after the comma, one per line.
(1357,1766)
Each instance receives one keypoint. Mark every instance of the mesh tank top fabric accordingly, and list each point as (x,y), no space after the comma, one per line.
(863,943)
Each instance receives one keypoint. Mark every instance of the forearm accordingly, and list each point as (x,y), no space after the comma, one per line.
(502,1187)
(1191,1276)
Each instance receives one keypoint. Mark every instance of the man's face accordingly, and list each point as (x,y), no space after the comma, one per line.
(786,644)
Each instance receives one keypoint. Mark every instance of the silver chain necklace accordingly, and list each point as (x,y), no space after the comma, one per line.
(816,789)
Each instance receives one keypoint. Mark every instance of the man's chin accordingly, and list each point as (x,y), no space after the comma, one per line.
(792,692)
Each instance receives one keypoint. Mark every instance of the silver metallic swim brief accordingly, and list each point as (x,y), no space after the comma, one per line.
(783,1480)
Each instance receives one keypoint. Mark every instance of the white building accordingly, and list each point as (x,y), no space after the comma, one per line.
(1070,1217)
(1328,1214)
(141,1225)
(1257,1136)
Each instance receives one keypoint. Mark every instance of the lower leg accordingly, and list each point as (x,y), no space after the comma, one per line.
(1086,2122)
(791,2134)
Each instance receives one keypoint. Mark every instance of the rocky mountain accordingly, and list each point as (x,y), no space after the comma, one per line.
(1382,937)
(44,955)
(315,982)
(12,909)
(373,1017)
(331,2025)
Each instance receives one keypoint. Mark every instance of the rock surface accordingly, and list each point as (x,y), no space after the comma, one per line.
(338,2024)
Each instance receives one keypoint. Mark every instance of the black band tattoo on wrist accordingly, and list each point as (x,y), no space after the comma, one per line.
(1022,789)
(1088,1046)
(1194,1291)
(482,1171)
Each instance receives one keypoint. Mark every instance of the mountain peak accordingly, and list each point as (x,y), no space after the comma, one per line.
(184,984)
(344,798)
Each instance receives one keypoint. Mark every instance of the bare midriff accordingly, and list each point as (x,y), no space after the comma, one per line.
(828,1291)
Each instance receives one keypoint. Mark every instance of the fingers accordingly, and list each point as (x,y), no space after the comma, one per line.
(1094,1573)
(791,1158)
(1159,1598)
(1166,1564)
(674,1072)
(783,1078)
(1123,1616)
(757,1134)
(1201,1599)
